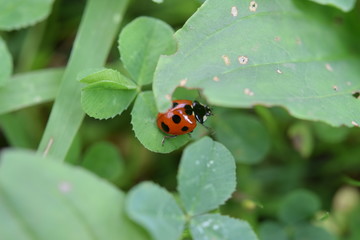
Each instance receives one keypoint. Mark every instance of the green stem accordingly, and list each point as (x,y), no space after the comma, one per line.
(93,42)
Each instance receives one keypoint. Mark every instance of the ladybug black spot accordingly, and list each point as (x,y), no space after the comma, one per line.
(184,129)
(165,127)
(175,104)
(188,110)
(176,119)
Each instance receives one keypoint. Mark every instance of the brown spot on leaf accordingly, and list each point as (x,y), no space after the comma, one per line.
(183,82)
(328,67)
(253,6)
(356,94)
(243,60)
(355,124)
(248,92)
(234,11)
(226,59)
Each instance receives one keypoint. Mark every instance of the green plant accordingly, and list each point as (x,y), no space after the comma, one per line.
(301,56)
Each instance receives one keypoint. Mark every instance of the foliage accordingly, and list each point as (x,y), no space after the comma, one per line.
(282,159)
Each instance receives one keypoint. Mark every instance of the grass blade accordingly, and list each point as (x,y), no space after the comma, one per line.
(95,37)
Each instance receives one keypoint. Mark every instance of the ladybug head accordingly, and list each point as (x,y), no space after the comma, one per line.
(201,112)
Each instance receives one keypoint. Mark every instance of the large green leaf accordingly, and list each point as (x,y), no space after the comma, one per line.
(206,176)
(285,53)
(141,43)
(6,63)
(217,227)
(155,209)
(44,199)
(16,14)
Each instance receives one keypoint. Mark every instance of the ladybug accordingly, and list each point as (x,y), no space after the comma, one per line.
(181,118)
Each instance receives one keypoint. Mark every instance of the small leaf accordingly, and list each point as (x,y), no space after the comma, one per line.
(302,138)
(17,14)
(206,176)
(272,231)
(298,206)
(344,5)
(310,232)
(104,103)
(28,89)
(104,160)
(156,210)
(143,119)
(218,227)
(244,135)
(110,78)
(108,94)
(38,195)
(6,62)
(141,43)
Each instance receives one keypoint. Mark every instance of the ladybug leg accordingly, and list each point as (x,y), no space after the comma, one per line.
(166,137)
(211,131)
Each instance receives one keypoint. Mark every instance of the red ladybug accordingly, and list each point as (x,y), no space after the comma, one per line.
(182,117)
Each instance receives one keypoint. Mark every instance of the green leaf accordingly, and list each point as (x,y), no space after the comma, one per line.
(156,210)
(143,119)
(272,231)
(206,176)
(298,206)
(104,160)
(28,89)
(6,62)
(107,94)
(141,43)
(94,39)
(108,78)
(218,227)
(310,232)
(104,103)
(302,138)
(243,53)
(17,14)
(344,5)
(244,135)
(39,195)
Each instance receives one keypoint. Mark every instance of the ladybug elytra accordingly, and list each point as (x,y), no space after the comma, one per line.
(181,118)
